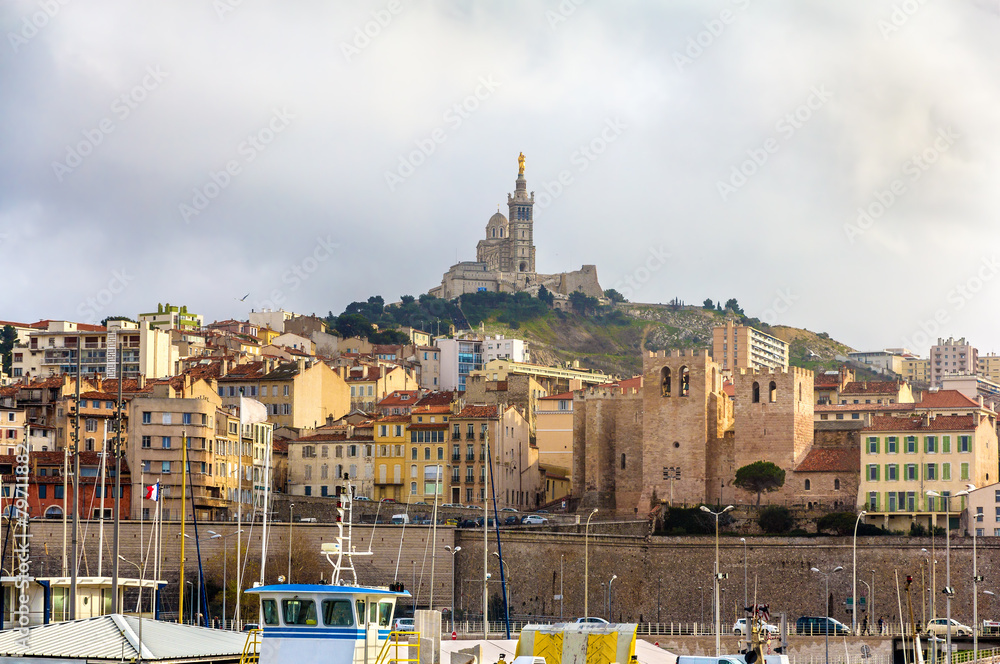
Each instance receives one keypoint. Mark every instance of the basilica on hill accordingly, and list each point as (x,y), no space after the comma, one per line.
(505,258)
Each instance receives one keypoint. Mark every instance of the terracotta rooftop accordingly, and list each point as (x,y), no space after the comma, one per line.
(320,437)
(400,398)
(884,387)
(862,407)
(393,418)
(831,460)
(939,423)
(565,396)
(947,399)
(436,399)
(478,412)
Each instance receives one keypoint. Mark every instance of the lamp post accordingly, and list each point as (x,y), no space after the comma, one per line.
(745,598)
(826,606)
(869,600)
(854,575)
(191,605)
(610,597)
(969,488)
(225,558)
(138,604)
(586,566)
(291,520)
(718,619)
(198,613)
(948,590)
(452,551)
(701,615)
(561,558)
(509,592)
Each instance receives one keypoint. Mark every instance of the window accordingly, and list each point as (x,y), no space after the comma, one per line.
(891,472)
(930,444)
(911,444)
(873,501)
(930,472)
(945,444)
(164,466)
(890,445)
(873,445)
(807,485)
(773,392)
(945,471)
(911,472)
(299,611)
(337,613)
(964,443)
(147,417)
(872,472)
(427,454)
(269,607)
(665,382)
(147,442)
(285,391)
(413,453)
(165,442)
(91,425)
(187,418)
(167,418)
(755,395)
(836,484)
(147,466)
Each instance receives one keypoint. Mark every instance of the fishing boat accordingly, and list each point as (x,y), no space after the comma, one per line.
(338,622)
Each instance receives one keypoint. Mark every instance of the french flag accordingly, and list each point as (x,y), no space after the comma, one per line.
(153,492)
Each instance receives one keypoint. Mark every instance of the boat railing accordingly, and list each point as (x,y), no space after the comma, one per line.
(393,643)
(251,647)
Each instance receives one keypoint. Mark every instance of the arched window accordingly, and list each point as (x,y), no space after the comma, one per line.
(685,382)
(665,382)
(808,485)
(772,392)
(623,462)
(836,484)
(800,391)
(501,232)
(756,392)
(494,232)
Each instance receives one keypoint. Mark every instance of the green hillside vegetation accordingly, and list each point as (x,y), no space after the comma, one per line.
(606,338)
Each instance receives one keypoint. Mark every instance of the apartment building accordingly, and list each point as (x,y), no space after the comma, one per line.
(428,442)
(370,384)
(982,511)
(47,491)
(53,346)
(300,394)
(463,355)
(952,356)
(918,370)
(554,432)
(904,457)
(428,360)
(168,316)
(317,463)
(390,434)
(744,347)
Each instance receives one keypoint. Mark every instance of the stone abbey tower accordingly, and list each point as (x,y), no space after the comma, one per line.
(509,245)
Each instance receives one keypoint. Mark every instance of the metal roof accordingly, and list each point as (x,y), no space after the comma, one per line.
(320,588)
(116,637)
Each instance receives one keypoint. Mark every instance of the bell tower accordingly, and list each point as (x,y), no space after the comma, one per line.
(520,215)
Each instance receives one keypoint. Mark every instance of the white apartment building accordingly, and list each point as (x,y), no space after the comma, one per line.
(952,356)
(463,355)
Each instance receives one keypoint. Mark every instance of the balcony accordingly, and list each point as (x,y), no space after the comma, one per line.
(470,457)
(470,436)
(456,457)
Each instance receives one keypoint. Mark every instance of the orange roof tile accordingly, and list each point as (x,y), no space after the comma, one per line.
(478,412)
(947,399)
(831,460)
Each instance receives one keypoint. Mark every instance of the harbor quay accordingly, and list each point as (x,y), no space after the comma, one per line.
(657,579)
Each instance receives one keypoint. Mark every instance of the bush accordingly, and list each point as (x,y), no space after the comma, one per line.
(798,532)
(692,521)
(775,519)
(837,523)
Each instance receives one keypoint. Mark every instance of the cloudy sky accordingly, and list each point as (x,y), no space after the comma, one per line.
(832,165)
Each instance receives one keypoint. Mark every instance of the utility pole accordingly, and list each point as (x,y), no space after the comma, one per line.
(118,488)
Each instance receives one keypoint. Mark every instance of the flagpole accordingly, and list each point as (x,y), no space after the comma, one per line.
(239,513)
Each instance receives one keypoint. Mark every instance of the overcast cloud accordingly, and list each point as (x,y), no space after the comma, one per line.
(742,137)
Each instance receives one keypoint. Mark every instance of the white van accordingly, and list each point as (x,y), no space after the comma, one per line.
(400,519)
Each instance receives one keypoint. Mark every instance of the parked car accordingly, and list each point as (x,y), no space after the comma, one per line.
(541,511)
(512,521)
(451,505)
(820,625)
(467,523)
(363,499)
(402,625)
(249,626)
(939,627)
(400,519)
(451,522)
(420,502)
(473,507)
(534,520)
(740,628)
(507,509)
(593,620)
(388,500)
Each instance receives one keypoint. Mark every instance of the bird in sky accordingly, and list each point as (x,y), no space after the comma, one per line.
(241,299)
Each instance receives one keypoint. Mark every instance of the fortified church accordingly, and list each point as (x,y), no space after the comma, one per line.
(505,258)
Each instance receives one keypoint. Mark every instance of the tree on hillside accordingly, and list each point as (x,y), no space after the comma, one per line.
(582,303)
(105,321)
(760,476)
(8,337)
(614,295)
(837,523)
(353,325)
(546,296)
(708,304)
(734,306)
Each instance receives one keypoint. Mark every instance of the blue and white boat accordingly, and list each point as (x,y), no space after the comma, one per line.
(339,623)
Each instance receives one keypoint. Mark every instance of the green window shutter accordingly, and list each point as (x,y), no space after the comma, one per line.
(965,471)
(945,444)
(945,471)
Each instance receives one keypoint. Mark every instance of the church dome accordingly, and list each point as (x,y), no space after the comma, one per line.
(496,228)
(497,219)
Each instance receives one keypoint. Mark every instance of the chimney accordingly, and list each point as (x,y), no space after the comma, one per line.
(140,381)
(329,420)
(223,368)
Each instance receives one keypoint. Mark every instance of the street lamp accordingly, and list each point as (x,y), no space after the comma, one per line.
(869,600)
(452,551)
(291,520)
(586,566)
(198,599)
(718,619)
(826,606)
(610,600)
(969,488)
(191,605)
(138,604)
(225,558)
(507,579)
(948,590)
(854,574)
(745,600)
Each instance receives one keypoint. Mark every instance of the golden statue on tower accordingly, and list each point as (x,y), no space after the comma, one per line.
(520,164)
